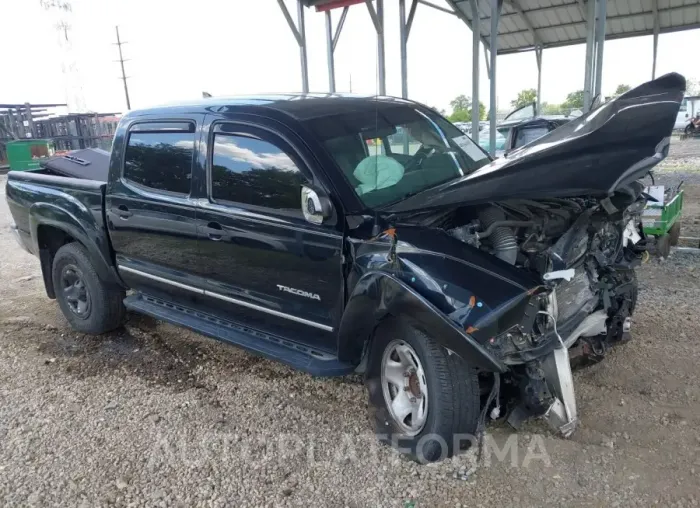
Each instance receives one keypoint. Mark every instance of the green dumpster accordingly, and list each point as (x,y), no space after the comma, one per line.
(24,154)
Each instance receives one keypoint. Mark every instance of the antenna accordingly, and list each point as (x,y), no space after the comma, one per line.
(121,61)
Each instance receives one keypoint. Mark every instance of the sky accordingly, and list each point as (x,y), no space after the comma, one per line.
(178,48)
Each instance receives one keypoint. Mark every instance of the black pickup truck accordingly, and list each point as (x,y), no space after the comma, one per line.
(300,228)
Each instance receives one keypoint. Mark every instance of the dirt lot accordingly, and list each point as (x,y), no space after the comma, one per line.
(152,415)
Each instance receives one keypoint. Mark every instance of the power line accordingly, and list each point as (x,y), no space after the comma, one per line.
(121,62)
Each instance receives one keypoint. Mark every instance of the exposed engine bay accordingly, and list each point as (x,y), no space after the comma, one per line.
(585,250)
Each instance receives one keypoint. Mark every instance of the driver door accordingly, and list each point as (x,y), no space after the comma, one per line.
(261,262)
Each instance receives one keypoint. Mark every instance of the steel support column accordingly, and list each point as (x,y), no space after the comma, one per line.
(329,52)
(302,48)
(538,56)
(331,43)
(601,13)
(590,56)
(378,21)
(655,9)
(404,51)
(488,63)
(495,14)
(300,35)
(476,35)
(380,48)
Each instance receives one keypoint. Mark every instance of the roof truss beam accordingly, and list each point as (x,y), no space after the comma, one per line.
(609,18)
(458,12)
(515,4)
(297,35)
(411,15)
(375,18)
(609,37)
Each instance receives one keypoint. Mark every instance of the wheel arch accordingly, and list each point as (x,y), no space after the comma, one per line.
(380,295)
(51,228)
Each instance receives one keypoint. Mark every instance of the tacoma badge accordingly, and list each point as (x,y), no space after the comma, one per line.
(299,292)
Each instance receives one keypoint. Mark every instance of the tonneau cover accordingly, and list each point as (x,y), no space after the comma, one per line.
(87,164)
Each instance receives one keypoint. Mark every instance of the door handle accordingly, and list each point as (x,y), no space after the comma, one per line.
(214,231)
(122,211)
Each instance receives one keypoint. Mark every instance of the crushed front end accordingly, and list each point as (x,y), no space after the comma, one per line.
(585,251)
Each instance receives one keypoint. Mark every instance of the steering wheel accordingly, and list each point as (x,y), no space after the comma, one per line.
(416,160)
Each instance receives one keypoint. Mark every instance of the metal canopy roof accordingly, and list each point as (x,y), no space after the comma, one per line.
(526,24)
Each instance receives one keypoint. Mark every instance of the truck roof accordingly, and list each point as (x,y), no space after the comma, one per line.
(299,106)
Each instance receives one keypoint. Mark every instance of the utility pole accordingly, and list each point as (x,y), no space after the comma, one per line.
(121,62)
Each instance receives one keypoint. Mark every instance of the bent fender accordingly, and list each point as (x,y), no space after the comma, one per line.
(378,294)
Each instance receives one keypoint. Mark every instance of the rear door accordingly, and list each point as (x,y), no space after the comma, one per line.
(150,214)
(262,264)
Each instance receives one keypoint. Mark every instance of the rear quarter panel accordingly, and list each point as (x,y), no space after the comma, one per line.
(71,205)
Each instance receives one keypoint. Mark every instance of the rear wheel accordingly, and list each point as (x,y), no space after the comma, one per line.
(424,400)
(88,303)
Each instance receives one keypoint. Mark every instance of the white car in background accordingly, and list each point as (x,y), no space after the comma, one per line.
(690,107)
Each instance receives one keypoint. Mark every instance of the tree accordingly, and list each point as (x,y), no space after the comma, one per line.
(550,109)
(621,89)
(461,103)
(573,101)
(525,97)
(692,87)
(459,115)
(462,109)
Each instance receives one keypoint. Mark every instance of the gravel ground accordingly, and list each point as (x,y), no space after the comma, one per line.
(152,415)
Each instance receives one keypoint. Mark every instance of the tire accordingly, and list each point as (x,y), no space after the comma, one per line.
(675,233)
(87,302)
(689,129)
(663,245)
(452,387)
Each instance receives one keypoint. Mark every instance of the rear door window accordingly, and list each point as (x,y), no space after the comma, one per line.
(160,160)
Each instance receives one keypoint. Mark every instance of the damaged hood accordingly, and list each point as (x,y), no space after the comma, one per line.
(594,154)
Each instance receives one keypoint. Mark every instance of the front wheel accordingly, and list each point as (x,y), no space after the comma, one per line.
(87,302)
(424,399)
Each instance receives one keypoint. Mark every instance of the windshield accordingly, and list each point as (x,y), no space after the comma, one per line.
(396,151)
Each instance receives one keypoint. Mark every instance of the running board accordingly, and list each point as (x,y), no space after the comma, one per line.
(294,354)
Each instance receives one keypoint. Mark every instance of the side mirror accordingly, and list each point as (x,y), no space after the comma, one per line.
(315,208)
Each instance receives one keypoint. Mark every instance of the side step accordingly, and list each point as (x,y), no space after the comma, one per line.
(294,354)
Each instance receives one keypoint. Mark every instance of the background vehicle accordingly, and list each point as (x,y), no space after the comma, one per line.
(689,108)
(485,140)
(299,228)
(523,126)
